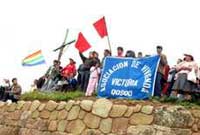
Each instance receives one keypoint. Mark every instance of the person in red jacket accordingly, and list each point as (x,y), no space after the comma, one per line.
(69,69)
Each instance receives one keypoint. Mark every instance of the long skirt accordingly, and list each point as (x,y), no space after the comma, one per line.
(182,84)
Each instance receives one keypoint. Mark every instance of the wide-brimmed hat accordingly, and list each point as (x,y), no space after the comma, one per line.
(189,55)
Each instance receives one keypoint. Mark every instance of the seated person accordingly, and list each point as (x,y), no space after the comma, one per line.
(5,87)
(40,82)
(52,76)
(2,90)
(72,82)
(34,85)
(69,83)
(69,69)
(15,93)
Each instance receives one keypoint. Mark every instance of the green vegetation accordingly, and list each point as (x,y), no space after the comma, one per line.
(194,103)
(64,96)
(56,96)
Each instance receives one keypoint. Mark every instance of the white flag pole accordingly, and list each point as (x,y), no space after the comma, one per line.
(108,39)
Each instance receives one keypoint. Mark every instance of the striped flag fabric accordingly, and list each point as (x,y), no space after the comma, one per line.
(34,59)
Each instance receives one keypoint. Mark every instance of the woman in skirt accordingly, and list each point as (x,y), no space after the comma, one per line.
(186,77)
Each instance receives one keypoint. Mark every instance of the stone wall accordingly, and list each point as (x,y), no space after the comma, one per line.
(96,117)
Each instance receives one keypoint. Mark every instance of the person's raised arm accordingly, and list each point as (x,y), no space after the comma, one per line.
(83,58)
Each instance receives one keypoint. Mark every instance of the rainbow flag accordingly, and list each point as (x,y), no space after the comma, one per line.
(34,59)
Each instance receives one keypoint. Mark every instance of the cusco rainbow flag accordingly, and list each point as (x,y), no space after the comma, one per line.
(34,59)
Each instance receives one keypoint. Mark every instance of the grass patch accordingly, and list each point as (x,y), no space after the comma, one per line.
(176,101)
(56,96)
(65,96)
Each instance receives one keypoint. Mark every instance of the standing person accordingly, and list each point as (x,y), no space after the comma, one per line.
(96,57)
(171,79)
(140,55)
(84,70)
(94,77)
(15,92)
(161,72)
(105,54)
(80,74)
(187,74)
(120,51)
(130,54)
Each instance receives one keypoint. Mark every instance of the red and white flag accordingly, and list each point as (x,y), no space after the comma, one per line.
(92,35)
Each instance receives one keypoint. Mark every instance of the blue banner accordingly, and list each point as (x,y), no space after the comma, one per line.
(130,78)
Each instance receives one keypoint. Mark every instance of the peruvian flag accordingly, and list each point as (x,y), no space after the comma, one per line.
(91,36)
(101,28)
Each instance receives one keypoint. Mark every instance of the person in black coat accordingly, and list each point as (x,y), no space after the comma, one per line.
(84,69)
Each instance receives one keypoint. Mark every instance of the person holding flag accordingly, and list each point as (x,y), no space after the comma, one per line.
(85,70)
(83,45)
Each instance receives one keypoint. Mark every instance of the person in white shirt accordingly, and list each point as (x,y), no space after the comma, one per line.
(186,77)
(94,77)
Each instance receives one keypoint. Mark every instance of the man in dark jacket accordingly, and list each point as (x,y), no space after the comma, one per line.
(84,70)
(161,72)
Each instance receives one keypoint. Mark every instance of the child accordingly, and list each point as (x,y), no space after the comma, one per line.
(94,77)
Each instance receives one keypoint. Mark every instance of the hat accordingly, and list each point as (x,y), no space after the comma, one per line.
(189,55)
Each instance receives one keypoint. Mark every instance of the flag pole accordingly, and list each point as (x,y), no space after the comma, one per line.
(109,44)
(108,39)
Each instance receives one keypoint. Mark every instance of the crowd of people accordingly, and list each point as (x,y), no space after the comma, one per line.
(179,81)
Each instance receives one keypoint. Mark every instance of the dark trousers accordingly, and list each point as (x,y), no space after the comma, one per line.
(8,96)
(85,76)
(2,91)
(40,82)
(158,85)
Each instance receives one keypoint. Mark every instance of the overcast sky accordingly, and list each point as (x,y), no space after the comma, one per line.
(140,25)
